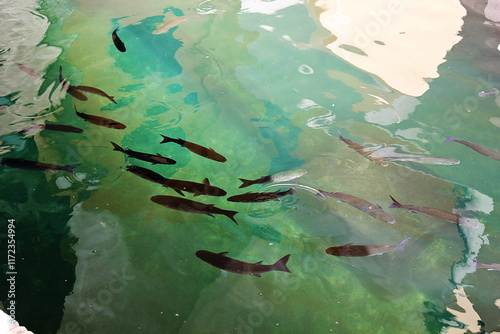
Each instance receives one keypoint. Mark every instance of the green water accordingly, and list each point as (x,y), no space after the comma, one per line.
(95,255)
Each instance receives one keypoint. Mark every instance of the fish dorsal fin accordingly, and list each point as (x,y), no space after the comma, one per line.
(178,191)
(206,182)
(259,262)
(223,253)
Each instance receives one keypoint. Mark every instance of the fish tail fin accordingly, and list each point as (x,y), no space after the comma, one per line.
(166,139)
(230,215)
(395,204)
(246,183)
(281,264)
(70,168)
(449,139)
(116,147)
(402,243)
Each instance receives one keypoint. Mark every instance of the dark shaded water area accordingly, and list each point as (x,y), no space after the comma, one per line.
(269,85)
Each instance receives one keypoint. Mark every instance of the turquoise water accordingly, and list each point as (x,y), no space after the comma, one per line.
(256,82)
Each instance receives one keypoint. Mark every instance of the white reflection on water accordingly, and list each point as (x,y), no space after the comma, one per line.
(266,6)
(24,64)
(401,109)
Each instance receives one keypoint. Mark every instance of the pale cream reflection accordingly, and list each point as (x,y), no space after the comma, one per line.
(396,40)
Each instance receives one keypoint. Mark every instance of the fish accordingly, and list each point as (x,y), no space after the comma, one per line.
(54,127)
(117,41)
(489,266)
(147,174)
(208,153)
(197,189)
(451,217)
(27,70)
(186,205)
(178,185)
(494,154)
(97,120)
(75,91)
(352,250)
(154,159)
(366,152)
(71,90)
(260,197)
(389,153)
(286,175)
(221,261)
(35,165)
(373,210)
(167,26)
(96,91)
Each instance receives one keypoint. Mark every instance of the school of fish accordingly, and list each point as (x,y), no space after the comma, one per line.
(220,259)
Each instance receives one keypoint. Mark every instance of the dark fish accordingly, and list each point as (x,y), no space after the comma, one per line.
(221,261)
(195,148)
(154,159)
(34,165)
(494,154)
(178,185)
(432,212)
(363,250)
(118,42)
(71,90)
(75,91)
(260,197)
(193,187)
(286,175)
(97,120)
(54,127)
(186,205)
(147,174)
(96,91)
(373,210)
(366,152)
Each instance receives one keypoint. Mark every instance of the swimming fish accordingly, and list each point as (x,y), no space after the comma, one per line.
(373,210)
(71,90)
(34,165)
(154,159)
(147,174)
(363,250)
(75,90)
(389,153)
(260,197)
(95,91)
(27,70)
(179,186)
(118,42)
(186,205)
(195,148)
(432,212)
(489,266)
(97,120)
(366,152)
(494,154)
(54,127)
(286,175)
(221,261)
(166,27)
